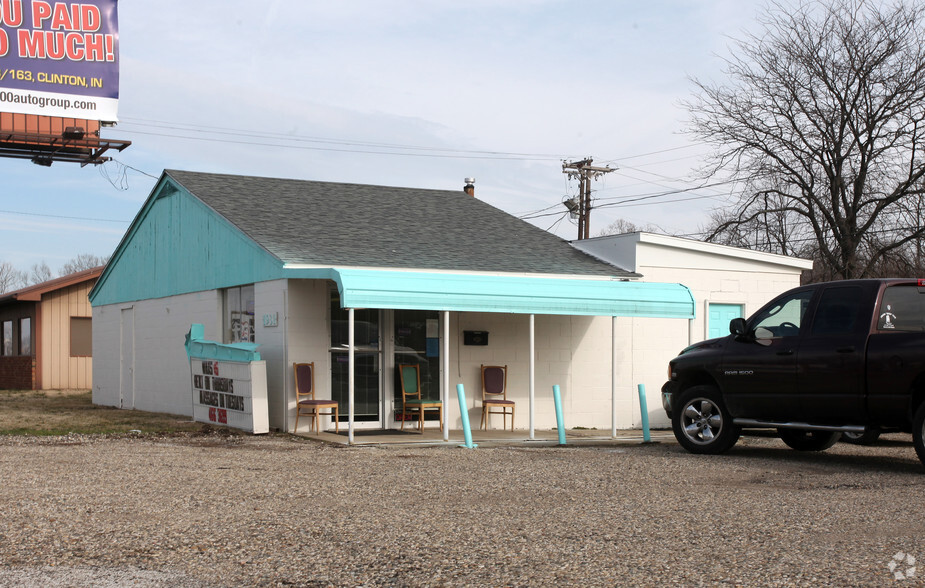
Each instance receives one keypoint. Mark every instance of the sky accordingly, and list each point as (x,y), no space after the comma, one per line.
(413,93)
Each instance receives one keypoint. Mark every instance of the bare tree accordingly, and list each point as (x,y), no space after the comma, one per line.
(822,124)
(40,272)
(10,277)
(622,226)
(82,262)
(770,228)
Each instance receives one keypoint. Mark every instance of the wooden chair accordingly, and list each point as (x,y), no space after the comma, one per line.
(411,396)
(306,404)
(494,395)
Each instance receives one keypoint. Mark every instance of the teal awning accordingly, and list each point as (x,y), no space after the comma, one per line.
(523,294)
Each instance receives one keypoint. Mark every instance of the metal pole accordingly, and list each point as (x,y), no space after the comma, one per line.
(613,379)
(464,412)
(446,375)
(587,190)
(560,420)
(532,369)
(643,408)
(351,366)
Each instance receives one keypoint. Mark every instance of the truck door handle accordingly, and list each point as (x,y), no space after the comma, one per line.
(785,352)
(849,349)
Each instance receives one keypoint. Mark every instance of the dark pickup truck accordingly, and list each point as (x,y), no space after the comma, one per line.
(815,362)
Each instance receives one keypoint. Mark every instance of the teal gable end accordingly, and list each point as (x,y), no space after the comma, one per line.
(177,245)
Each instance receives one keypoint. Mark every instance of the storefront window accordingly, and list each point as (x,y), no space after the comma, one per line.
(239,314)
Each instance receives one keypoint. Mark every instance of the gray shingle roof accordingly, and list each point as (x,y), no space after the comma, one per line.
(334,224)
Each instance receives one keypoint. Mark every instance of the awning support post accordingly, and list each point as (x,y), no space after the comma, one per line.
(613,378)
(446,375)
(351,367)
(532,369)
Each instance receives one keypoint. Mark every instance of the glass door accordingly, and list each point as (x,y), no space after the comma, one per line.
(368,363)
(416,341)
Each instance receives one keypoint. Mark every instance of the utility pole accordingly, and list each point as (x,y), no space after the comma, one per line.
(585,172)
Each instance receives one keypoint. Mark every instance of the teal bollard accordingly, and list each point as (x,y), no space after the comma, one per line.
(560,421)
(464,411)
(646,437)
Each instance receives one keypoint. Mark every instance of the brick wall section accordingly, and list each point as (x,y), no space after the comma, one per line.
(17,373)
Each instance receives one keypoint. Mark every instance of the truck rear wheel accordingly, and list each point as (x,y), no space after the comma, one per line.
(701,422)
(803,440)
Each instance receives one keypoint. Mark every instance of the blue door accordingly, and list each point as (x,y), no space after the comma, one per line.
(719,316)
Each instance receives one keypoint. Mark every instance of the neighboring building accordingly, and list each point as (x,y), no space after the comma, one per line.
(431,277)
(727,282)
(47,334)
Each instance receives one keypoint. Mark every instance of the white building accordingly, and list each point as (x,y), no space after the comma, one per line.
(726,282)
(296,266)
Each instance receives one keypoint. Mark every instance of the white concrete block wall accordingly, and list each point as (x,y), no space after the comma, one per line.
(751,290)
(106,349)
(270,307)
(574,352)
(308,337)
(657,341)
(161,368)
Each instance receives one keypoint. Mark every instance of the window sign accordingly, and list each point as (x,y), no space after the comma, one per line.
(230,393)
(239,314)
(902,310)
(228,383)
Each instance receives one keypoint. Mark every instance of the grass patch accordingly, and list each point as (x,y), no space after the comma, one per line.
(59,412)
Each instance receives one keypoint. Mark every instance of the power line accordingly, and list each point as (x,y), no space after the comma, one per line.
(426,151)
(629,201)
(144,173)
(326,140)
(82,218)
(660,151)
(346,146)
(452,155)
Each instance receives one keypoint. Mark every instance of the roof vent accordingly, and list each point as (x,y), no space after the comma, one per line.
(469,188)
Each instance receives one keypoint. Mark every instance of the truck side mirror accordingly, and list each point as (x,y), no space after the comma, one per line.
(737,327)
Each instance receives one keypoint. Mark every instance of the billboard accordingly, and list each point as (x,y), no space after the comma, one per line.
(60,58)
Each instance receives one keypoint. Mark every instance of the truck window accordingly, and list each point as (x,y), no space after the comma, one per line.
(838,310)
(785,317)
(902,309)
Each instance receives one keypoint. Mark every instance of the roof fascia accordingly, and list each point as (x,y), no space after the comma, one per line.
(710,248)
(725,250)
(35,292)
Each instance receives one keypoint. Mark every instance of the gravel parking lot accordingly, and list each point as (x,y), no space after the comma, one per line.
(221,510)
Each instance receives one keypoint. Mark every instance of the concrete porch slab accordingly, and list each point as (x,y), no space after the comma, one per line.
(491,438)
